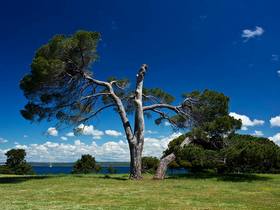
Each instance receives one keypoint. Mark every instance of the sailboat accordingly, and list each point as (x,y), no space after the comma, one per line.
(50,165)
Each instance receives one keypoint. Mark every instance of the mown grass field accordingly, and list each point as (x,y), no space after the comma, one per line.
(117,192)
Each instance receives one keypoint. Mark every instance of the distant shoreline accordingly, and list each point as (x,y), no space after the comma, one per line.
(67,164)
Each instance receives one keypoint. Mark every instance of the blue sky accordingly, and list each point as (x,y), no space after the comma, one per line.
(228,46)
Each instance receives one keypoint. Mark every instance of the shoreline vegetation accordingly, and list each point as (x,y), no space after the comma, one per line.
(199,191)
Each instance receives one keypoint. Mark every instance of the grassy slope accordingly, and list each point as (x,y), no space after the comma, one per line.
(95,192)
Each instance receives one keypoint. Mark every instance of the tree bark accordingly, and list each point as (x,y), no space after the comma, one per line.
(135,161)
(164,162)
(162,168)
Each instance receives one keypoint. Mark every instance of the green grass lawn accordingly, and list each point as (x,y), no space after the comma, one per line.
(116,192)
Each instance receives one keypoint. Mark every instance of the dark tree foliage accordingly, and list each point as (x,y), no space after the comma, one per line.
(241,153)
(149,164)
(246,153)
(85,165)
(212,122)
(56,74)
(16,162)
(212,119)
(195,158)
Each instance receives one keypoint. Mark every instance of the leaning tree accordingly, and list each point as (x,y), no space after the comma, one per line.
(62,87)
(212,124)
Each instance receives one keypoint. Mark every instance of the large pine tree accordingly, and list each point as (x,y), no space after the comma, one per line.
(62,86)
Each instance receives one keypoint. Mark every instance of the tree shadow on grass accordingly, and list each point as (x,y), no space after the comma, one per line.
(18,179)
(222,177)
(121,178)
(102,176)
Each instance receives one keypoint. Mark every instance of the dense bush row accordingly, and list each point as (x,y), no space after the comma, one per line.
(241,153)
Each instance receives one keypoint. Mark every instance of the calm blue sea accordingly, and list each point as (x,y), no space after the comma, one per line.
(68,169)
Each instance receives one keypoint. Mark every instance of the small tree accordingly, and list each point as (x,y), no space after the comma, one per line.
(149,164)
(16,162)
(85,165)
(61,86)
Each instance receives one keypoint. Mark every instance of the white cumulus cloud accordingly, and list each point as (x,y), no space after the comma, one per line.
(275,138)
(166,123)
(89,130)
(248,34)
(96,137)
(2,155)
(150,132)
(258,133)
(275,121)
(109,151)
(64,138)
(52,131)
(113,133)
(246,121)
(155,146)
(70,134)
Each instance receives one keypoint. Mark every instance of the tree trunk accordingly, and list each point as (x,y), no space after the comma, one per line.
(162,168)
(135,161)
(164,162)
(136,145)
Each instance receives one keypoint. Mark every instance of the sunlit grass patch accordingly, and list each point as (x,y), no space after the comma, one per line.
(118,192)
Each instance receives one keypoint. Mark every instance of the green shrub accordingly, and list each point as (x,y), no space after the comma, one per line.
(149,164)
(85,165)
(5,170)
